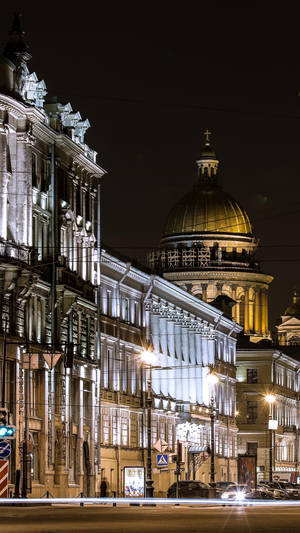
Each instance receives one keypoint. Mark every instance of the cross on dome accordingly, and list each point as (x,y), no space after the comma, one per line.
(207,133)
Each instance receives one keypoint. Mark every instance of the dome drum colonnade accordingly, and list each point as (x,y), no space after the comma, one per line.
(208,248)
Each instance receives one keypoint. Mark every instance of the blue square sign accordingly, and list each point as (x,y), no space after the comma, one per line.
(162,460)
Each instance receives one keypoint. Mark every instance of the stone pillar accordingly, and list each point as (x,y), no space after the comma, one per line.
(235,307)
(251,315)
(204,291)
(264,312)
(257,304)
(211,345)
(23,214)
(178,361)
(219,288)
(4,177)
(199,360)
(164,357)
(154,335)
(205,355)
(246,326)
(185,363)
(171,349)
(192,367)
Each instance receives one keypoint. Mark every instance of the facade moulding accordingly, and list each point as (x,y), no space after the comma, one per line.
(234,277)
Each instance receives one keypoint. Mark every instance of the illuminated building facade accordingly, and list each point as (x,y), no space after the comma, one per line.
(189,337)
(48,186)
(75,391)
(208,248)
(262,371)
(288,332)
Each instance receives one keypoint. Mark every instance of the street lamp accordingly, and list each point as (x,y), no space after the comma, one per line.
(213,380)
(270,399)
(149,359)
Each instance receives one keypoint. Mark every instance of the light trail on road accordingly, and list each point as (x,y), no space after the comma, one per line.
(152,501)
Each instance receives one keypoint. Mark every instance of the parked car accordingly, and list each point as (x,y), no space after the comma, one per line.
(291,490)
(277,491)
(221,486)
(259,494)
(235,492)
(192,489)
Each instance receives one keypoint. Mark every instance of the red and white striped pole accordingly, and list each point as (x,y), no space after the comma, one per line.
(3,479)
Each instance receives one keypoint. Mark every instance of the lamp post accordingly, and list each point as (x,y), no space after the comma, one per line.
(149,359)
(270,399)
(213,380)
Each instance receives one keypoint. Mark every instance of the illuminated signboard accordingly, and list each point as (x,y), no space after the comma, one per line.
(134,482)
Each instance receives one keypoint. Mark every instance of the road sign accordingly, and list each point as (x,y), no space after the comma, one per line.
(7,432)
(161,445)
(51,359)
(30,361)
(162,460)
(5,449)
(3,479)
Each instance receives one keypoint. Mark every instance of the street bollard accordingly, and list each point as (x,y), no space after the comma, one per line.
(81,496)
(114,496)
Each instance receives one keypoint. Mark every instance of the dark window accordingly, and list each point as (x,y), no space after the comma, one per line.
(33,171)
(78,200)
(251,412)
(44,176)
(62,184)
(87,206)
(252,448)
(252,375)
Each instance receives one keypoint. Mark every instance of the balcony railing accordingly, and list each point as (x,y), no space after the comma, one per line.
(18,252)
(201,257)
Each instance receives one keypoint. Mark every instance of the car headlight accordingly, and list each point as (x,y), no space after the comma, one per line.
(225,495)
(240,496)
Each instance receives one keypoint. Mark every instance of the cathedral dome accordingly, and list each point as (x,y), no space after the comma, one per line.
(207,209)
(294,308)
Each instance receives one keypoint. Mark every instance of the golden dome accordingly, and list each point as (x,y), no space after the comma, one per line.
(207,210)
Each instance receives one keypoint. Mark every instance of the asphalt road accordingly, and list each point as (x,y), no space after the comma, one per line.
(149,520)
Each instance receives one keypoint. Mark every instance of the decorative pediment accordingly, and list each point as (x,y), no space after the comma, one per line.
(289,322)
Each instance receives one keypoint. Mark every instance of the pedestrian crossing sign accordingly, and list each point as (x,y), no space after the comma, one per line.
(162,460)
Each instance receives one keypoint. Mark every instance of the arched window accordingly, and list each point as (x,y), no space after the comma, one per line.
(294,340)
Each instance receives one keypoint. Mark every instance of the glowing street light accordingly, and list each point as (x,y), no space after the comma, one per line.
(149,359)
(270,399)
(213,380)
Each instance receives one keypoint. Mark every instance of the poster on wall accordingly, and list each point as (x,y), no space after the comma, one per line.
(134,482)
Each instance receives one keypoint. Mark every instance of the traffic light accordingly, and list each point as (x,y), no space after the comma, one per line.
(7,431)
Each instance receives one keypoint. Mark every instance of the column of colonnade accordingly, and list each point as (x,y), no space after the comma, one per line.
(4,177)
(185,347)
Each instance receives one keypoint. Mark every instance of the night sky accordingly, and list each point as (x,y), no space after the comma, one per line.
(151,77)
